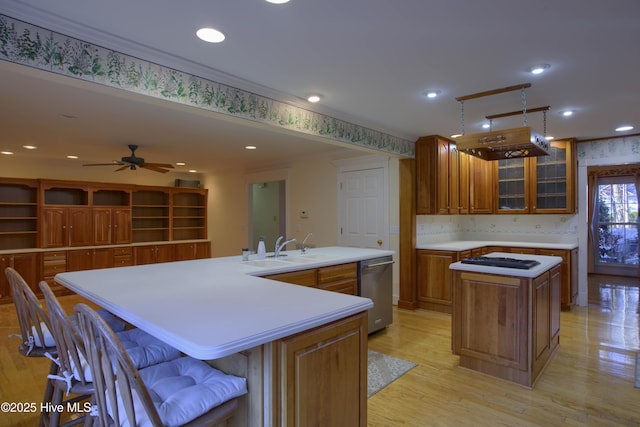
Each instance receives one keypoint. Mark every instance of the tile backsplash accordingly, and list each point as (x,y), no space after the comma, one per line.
(524,228)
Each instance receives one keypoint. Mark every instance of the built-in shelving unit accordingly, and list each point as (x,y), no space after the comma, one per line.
(189,215)
(18,214)
(151,215)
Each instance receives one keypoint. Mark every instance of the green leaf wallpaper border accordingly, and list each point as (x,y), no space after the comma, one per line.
(29,45)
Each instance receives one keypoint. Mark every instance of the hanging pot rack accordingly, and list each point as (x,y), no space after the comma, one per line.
(506,143)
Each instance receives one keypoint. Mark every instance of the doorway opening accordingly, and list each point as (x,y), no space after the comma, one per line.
(267,210)
(613,222)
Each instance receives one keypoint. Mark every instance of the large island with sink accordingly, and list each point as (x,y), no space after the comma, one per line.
(303,350)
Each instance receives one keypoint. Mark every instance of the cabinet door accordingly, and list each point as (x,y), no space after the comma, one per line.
(434,279)
(553,179)
(79,259)
(442,177)
(102,258)
(512,177)
(303,277)
(121,222)
(145,254)
(464,183)
(101,226)
(54,227)
(164,253)
(26,265)
(79,227)
(480,186)
(324,374)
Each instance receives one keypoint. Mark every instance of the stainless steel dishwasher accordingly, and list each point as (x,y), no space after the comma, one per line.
(376,283)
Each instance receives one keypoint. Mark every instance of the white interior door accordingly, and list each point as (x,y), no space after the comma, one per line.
(363,208)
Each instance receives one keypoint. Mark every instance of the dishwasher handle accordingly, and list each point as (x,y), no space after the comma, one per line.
(378,264)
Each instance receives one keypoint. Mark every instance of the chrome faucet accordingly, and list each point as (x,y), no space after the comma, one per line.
(304,248)
(279,247)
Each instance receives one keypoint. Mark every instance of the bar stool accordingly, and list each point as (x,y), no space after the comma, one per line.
(184,391)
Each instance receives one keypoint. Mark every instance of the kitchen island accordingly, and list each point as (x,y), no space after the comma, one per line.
(303,350)
(506,321)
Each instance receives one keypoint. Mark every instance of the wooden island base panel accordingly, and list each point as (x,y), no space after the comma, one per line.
(505,321)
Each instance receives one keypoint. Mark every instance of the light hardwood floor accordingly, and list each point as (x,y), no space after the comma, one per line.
(588,382)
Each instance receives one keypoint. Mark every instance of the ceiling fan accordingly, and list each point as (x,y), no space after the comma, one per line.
(133,162)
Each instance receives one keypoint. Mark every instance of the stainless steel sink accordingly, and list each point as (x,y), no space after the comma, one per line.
(310,258)
(265,263)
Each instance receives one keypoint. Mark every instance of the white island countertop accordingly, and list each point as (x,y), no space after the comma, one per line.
(546,262)
(211,308)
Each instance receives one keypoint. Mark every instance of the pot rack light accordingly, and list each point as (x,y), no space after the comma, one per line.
(507,143)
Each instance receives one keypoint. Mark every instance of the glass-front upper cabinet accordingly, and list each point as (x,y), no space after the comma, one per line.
(554,179)
(544,184)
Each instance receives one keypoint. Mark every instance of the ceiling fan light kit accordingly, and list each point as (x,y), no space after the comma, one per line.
(133,162)
(507,143)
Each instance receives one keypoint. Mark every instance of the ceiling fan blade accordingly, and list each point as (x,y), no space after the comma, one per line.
(159,165)
(104,164)
(121,168)
(153,168)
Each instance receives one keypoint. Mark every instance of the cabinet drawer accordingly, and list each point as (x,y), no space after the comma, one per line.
(51,270)
(304,277)
(60,256)
(337,272)
(122,251)
(122,260)
(349,286)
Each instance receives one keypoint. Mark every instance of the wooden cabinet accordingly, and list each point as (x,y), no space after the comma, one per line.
(434,279)
(437,183)
(506,326)
(26,264)
(111,226)
(54,262)
(90,258)
(66,226)
(481,188)
(123,256)
(18,214)
(323,375)
(195,250)
(341,278)
(151,254)
(307,277)
(544,184)
(568,275)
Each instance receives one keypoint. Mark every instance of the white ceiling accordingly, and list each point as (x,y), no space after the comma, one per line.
(372,61)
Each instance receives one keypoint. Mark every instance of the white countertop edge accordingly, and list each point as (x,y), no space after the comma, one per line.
(272,335)
(464,245)
(546,262)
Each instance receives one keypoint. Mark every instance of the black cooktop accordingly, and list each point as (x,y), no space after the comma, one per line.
(523,264)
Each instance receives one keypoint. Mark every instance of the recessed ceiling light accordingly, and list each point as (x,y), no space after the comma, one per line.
(29,147)
(250,147)
(455,135)
(486,126)
(278,1)
(548,138)
(567,113)
(624,128)
(210,35)
(72,157)
(6,152)
(180,163)
(432,93)
(539,69)
(192,171)
(313,98)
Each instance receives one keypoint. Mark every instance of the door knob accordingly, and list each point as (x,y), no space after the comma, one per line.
(379,242)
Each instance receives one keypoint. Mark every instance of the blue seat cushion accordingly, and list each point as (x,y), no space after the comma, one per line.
(145,349)
(184,389)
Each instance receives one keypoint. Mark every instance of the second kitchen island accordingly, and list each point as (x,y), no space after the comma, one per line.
(506,321)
